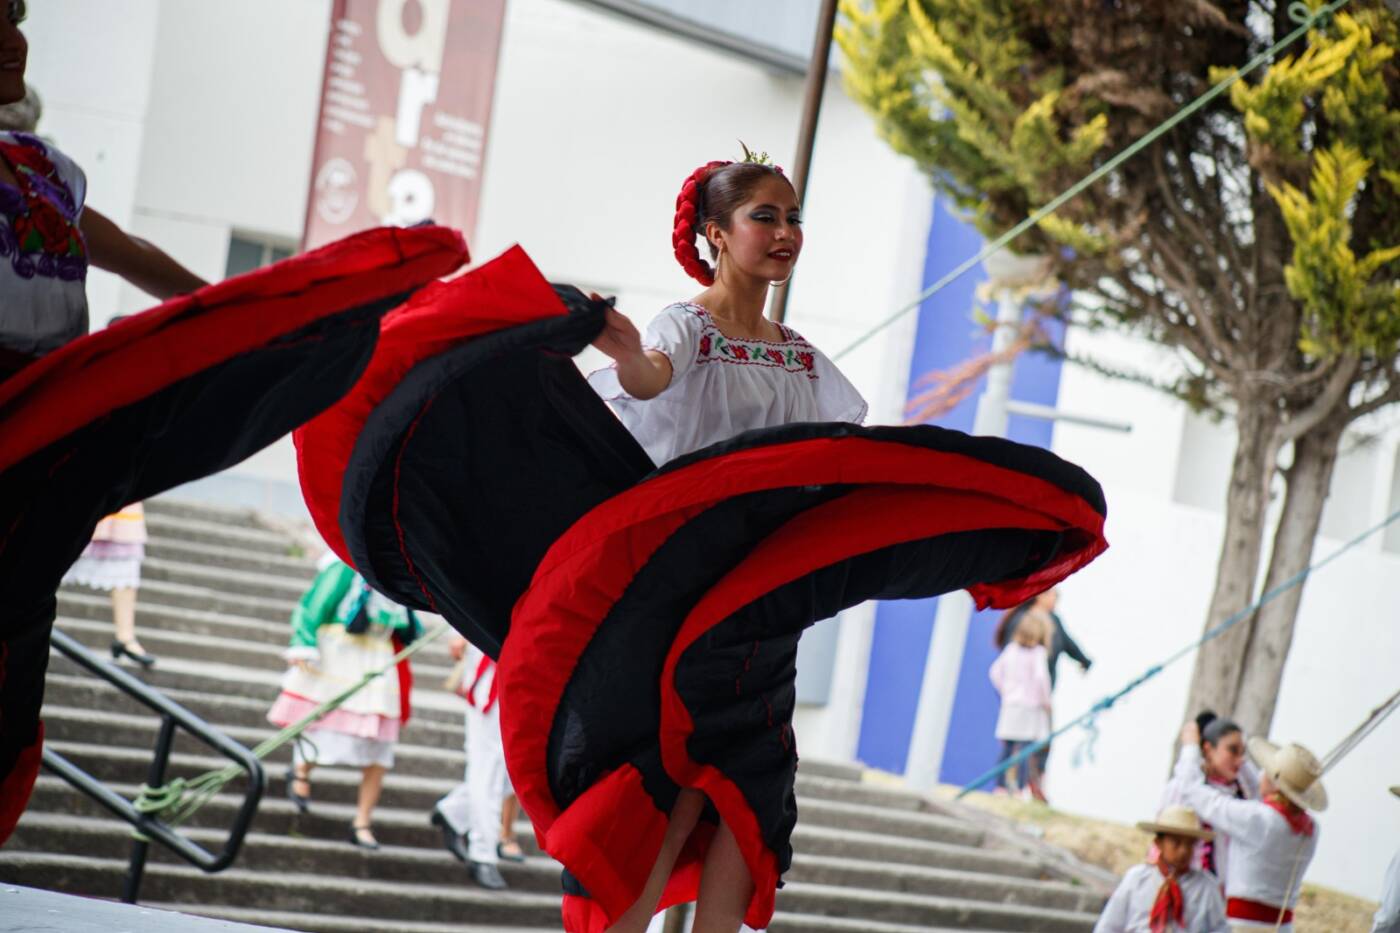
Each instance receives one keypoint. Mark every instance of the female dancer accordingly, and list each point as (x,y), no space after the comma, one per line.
(1215,748)
(645,575)
(1272,839)
(89,424)
(711,368)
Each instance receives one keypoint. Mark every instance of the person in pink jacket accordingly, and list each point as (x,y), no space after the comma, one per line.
(1021,675)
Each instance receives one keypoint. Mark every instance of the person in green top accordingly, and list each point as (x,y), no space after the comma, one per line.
(341,630)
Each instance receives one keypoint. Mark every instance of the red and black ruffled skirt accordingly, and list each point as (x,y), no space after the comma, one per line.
(162,398)
(646,620)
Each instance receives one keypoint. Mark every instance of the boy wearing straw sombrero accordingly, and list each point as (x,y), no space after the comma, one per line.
(1387,918)
(1272,839)
(1167,896)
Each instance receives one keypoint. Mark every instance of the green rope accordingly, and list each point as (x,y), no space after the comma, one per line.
(1299,12)
(179,799)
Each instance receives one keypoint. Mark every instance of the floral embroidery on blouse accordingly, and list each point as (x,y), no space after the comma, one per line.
(793,355)
(41,236)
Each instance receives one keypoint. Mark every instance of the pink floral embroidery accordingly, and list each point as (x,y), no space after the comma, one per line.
(775,356)
(740,353)
(705,345)
(808,361)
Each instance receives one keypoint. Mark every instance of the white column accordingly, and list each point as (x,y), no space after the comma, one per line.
(945,650)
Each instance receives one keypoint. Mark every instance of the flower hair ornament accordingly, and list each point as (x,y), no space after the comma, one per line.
(689,210)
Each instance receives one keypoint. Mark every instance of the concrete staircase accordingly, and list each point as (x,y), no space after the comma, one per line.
(218,587)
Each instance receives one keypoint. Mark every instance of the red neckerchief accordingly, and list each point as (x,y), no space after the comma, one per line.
(1298,820)
(1170,905)
(482,667)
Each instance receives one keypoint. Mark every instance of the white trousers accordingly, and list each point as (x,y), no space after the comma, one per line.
(473,807)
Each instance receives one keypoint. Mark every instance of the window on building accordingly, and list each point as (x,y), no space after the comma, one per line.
(247,252)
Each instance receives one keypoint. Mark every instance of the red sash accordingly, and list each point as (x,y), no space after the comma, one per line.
(1237,908)
(482,668)
(1170,905)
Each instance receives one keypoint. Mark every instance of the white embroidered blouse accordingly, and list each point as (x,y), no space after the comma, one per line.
(721,387)
(42,280)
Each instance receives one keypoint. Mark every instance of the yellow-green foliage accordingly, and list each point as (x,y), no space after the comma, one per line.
(1347,303)
(996,100)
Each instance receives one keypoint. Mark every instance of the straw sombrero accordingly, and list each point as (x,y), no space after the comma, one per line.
(1295,771)
(1177,821)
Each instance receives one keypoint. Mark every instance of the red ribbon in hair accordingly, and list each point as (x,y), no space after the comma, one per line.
(1170,905)
(1298,820)
(683,227)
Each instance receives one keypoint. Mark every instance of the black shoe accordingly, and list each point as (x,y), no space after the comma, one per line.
(362,838)
(488,876)
(303,804)
(505,855)
(122,649)
(452,840)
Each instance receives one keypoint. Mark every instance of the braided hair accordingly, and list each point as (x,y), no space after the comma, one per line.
(711,193)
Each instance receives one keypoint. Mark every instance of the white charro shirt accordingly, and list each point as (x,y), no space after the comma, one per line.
(1130,908)
(1267,859)
(721,387)
(1387,918)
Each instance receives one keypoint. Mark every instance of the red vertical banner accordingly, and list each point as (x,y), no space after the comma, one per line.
(405,107)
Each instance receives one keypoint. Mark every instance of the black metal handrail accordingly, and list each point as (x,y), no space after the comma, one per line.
(172,715)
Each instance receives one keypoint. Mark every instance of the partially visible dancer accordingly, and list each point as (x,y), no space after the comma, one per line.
(112,562)
(1272,839)
(341,631)
(474,808)
(1219,755)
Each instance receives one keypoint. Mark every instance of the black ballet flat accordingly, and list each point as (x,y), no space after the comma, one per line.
(360,843)
(303,804)
(121,649)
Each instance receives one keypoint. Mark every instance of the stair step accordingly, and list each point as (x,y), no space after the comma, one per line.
(220,681)
(325,923)
(243,583)
(212,555)
(881,847)
(428,667)
(160,526)
(277,854)
(157,592)
(426,727)
(298,892)
(926,911)
(232,516)
(912,879)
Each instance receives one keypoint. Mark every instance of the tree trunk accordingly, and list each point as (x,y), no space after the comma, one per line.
(1310,476)
(1215,679)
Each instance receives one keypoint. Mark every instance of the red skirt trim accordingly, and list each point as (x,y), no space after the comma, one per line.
(558,616)
(132,359)
(505,292)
